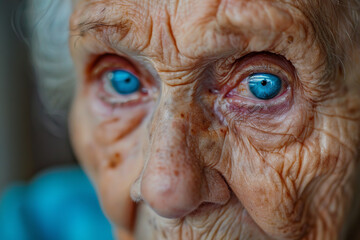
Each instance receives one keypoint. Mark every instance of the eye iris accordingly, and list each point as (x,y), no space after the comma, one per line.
(264,85)
(124,82)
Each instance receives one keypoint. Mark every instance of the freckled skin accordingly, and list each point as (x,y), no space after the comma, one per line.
(198,164)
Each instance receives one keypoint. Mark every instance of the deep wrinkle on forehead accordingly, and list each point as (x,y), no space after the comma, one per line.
(215,19)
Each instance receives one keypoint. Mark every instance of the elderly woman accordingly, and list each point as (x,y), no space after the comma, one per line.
(214,119)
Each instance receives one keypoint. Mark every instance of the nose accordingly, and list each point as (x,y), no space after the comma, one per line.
(174,181)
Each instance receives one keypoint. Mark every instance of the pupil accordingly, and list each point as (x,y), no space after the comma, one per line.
(127,80)
(263,82)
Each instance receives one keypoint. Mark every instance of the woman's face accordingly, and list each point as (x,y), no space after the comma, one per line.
(213,119)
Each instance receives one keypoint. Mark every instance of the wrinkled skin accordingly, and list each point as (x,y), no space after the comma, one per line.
(193,157)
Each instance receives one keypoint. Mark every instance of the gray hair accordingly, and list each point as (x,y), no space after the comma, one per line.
(47,23)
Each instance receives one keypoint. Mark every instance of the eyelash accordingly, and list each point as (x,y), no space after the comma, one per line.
(265,62)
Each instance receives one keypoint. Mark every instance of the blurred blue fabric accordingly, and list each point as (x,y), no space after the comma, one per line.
(59,204)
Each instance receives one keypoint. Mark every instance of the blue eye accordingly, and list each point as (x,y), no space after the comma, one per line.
(264,86)
(124,82)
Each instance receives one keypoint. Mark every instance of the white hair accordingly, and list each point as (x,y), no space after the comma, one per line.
(47,24)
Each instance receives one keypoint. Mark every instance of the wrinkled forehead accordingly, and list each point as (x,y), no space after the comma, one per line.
(192,28)
(180,4)
(189,11)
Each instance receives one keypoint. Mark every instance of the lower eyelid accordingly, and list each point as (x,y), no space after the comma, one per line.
(247,105)
(247,109)
(114,99)
(123,103)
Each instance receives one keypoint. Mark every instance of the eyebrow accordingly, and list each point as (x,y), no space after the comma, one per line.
(83,23)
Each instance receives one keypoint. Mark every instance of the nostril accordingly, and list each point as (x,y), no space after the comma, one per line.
(177,196)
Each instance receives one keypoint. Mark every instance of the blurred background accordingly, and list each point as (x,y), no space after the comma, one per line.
(44,195)
(30,139)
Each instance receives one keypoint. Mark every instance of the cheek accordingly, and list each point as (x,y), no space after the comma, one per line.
(265,160)
(115,177)
(81,137)
(292,182)
(121,163)
(269,198)
(110,150)
(106,141)
(272,132)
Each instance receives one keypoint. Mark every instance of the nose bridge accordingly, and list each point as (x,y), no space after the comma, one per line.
(171,156)
(170,126)
(172,179)
(169,142)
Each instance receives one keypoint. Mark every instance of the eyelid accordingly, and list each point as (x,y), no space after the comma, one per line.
(111,62)
(260,63)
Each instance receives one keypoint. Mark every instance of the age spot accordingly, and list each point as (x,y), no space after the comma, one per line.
(115,160)
(290,39)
